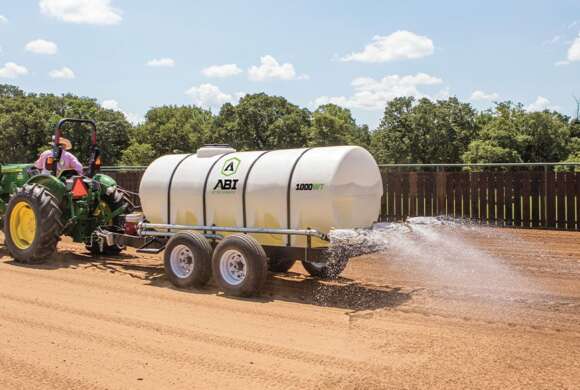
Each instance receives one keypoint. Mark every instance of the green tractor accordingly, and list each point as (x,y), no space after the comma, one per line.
(38,208)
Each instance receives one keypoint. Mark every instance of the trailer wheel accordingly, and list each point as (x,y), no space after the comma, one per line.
(187,260)
(240,265)
(334,266)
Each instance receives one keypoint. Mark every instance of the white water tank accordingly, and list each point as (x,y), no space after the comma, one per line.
(318,188)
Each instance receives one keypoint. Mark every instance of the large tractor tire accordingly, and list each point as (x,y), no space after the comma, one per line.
(32,224)
(240,265)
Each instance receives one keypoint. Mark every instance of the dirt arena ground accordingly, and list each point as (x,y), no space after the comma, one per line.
(441,308)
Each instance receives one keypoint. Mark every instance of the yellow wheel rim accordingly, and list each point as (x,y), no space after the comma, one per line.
(22,225)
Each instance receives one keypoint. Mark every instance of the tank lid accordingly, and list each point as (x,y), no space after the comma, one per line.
(214,150)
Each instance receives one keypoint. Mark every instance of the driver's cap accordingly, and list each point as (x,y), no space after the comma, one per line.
(65,142)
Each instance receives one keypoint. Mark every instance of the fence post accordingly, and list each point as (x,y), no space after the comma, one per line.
(441,187)
(545,203)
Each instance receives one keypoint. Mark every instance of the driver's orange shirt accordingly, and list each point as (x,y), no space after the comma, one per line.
(67,161)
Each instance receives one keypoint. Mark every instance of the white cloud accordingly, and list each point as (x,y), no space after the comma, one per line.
(159,62)
(10,70)
(111,104)
(62,73)
(98,12)
(555,39)
(540,104)
(574,50)
(271,69)
(371,94)
(478,95)
(221,71)
(208,96)
(41,46)
(3,19)
(399,45)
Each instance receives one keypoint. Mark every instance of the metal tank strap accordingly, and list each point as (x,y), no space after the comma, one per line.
(170,184)
(205,186)
(289,191)
(246,186)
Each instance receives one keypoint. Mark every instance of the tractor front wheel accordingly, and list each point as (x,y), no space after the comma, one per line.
(32,225)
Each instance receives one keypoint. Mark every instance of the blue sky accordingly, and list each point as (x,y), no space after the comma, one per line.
(132,55)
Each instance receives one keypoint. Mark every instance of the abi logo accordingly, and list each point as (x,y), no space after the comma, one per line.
(226,184)
(230,166)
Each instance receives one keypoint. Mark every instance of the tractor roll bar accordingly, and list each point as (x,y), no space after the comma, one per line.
(144,227)
(73,120)
(94,160)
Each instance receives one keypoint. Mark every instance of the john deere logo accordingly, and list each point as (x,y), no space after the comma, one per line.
(231,166)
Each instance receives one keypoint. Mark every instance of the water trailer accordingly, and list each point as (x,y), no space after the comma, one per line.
(237,214)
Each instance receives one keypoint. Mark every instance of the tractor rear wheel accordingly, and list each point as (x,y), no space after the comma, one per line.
(33,224)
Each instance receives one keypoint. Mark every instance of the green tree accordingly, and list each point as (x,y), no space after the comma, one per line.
(515,135)
(138,154)
(334,125)
(166,130)
(424,131)
(261,122)
(27,122)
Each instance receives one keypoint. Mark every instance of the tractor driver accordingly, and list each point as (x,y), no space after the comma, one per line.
(67,159)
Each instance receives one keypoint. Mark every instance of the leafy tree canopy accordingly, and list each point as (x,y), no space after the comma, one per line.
(27,122)
(261,122)
(166,130)
(411,130)
(512,134)
(424,131)
(334,125)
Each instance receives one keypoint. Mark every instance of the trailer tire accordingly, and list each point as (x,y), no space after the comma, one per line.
(32,224)
(240,266)
(332,269)
(187,260)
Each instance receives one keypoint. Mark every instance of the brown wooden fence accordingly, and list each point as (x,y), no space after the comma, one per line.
(523,198)
(539,199)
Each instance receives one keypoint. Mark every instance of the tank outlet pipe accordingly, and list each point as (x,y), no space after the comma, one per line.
(144,229)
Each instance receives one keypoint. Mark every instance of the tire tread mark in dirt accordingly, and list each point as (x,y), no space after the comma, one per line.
(189,298)
(199,360)
(42,377)
(206,338)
